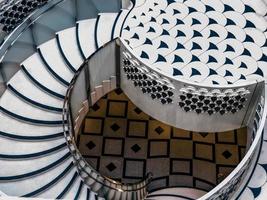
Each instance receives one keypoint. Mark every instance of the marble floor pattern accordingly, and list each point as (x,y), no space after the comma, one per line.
(124,143)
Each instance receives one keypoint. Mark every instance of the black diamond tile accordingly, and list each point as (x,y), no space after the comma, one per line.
(118,91)
(226,154)
(115,127)
(204,134)
(111,167)
(95,107)
(136,148)
(159,130)
(90,145)
(137,110)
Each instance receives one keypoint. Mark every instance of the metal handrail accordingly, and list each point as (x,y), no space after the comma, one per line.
(69,135)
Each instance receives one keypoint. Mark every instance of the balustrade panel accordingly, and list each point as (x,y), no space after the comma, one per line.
(184,104)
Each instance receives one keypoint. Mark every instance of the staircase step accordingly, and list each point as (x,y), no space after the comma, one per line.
(15,127)
(54,59)
(36,68)
(67,41)
(60,186)
(86,31)
(31,138)
(10,168)
(83,193)
(52,183)
(33,183)
(74,189)
(28,147)
(23,85)
(105,21)
(33,102)
(30,120)
(16,105)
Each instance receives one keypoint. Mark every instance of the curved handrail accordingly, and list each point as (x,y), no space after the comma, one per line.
(81,162)
(245,162)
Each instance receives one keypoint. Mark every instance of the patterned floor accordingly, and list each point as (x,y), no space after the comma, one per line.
(213,42)
(124,143)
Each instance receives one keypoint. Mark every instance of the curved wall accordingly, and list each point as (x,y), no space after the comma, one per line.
(173,108)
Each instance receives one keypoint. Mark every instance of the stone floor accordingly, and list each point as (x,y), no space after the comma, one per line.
(124,143)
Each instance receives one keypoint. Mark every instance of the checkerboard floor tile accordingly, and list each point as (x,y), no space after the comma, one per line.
(124,143)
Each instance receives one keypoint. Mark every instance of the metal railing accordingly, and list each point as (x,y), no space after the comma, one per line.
(104,186)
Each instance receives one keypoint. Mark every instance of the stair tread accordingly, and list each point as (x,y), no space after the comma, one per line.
(36,68)
(68,42)
(16,127)
(18,106)
(83,192)
(55,60)
(28,185)
(73,191)
(86,31)
(27,147)
(18,167)
(59,187)
(105,22)
(22,84)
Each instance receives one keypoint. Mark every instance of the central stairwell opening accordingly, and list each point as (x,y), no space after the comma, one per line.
(124,143)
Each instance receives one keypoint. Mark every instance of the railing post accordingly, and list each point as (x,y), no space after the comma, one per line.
(87,83)
(118,62)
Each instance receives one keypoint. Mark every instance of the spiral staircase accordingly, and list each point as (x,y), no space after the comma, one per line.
(35,159)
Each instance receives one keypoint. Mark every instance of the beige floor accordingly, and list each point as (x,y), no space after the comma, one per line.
(124,143)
